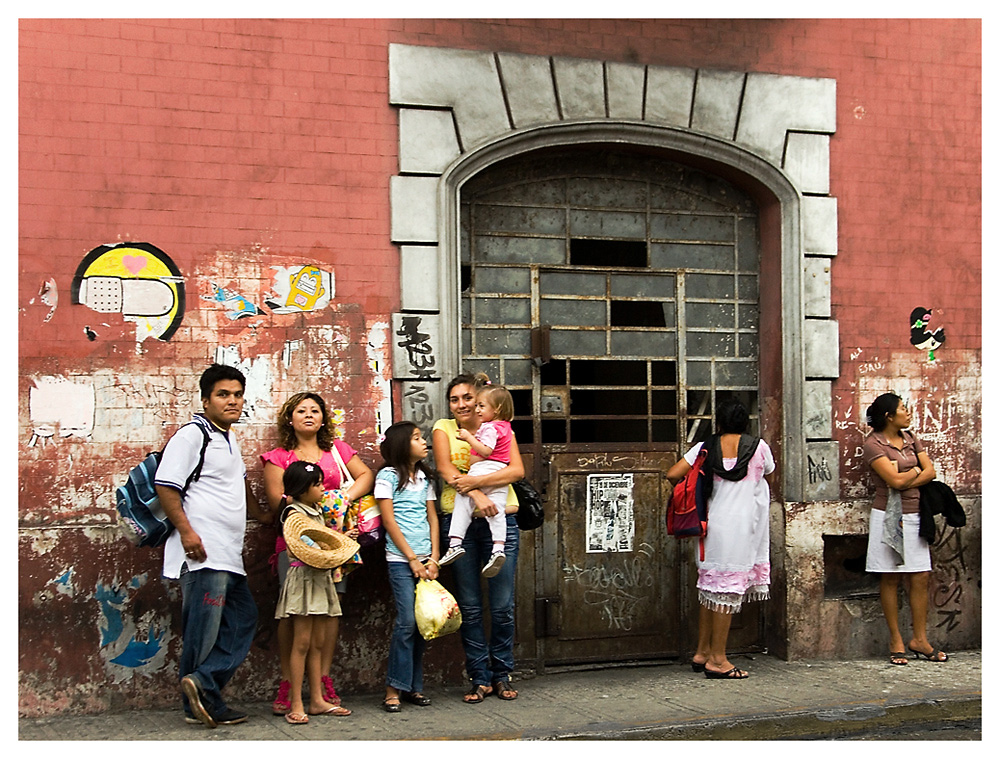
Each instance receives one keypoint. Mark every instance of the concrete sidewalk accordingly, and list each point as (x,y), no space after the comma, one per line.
(780,700)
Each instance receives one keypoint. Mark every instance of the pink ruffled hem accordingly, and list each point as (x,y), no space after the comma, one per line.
(726,590)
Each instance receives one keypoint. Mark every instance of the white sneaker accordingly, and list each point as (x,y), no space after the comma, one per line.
(495,563)
(453,553)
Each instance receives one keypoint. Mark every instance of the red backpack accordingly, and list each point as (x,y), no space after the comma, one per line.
(687,510)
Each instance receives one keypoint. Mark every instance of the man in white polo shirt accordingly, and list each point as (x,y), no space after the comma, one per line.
(205,551)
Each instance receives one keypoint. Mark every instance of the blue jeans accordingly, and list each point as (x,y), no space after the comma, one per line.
(218,620)
(406,647)
(485,663)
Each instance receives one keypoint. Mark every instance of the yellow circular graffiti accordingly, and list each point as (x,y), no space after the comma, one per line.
(137,280)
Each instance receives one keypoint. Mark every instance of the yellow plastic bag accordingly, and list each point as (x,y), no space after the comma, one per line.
(436,610)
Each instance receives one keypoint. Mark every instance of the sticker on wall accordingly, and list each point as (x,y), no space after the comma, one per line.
(60,407)
(922,337)
(239,306)
(48,294)
(610,513)
(137,280)
(300,288)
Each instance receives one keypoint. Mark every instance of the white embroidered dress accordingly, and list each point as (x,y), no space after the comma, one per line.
(737,564)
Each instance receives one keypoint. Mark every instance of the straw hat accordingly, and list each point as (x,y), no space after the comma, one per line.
(331,550)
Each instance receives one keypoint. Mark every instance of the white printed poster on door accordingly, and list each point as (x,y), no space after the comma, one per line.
(610,513)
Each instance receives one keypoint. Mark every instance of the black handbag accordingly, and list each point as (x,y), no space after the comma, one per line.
(530,513)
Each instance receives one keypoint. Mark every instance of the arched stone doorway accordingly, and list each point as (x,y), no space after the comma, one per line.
(462,112)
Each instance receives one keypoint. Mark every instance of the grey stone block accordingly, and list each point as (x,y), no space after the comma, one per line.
(717,102)
(819,226)
(774,105)
(625,90)
(413,209)
(816,287)
(530,89)
(464,80)
(669,95)
(427,141)
(817,410)
(580,88)
(418,277)
(807,162)
(821,340)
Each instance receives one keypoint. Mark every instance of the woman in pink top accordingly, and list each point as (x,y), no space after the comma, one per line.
(305,434)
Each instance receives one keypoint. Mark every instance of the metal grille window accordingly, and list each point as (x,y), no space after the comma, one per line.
(615,295)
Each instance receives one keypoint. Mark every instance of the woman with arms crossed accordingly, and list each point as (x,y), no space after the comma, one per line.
(902,466)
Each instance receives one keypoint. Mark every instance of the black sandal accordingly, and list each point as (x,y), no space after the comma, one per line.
(934,655)
(389,707)
(734,674)
(415,698)
(477,694)
(504,691)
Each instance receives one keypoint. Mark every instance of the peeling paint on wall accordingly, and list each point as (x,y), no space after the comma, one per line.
(260,381)
(122,642)
(378,350)
(945,401)
(48,294)
(59,407)
(286,354)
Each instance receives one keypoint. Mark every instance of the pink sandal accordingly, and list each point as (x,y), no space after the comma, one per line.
(329,693)
(282,702)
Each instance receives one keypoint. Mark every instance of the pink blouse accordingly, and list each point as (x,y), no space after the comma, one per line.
(331,472)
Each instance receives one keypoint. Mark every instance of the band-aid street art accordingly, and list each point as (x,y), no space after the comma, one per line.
(137,280)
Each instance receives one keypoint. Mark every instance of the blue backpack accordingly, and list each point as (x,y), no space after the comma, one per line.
(140,516)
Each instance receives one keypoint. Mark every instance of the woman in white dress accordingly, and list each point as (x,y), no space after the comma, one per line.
(736,566)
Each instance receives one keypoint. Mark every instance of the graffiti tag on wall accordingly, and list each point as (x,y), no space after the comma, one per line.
(949,568)
(415,346)
(615,592)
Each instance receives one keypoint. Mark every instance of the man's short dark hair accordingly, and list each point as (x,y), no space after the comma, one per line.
(218,373)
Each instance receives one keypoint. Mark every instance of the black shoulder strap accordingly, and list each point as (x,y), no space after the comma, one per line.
(201,457)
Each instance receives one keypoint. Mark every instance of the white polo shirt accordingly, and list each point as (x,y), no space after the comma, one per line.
(215,504)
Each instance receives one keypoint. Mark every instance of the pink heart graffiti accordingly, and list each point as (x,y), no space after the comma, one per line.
(134,264)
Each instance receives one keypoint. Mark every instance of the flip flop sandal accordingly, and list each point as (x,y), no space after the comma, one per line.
(477,694)
(733,674)
(336,711)
(932,656)
(296,718)
(899,659)
(504,691)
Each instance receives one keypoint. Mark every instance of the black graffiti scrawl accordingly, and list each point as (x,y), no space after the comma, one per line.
(922,337)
